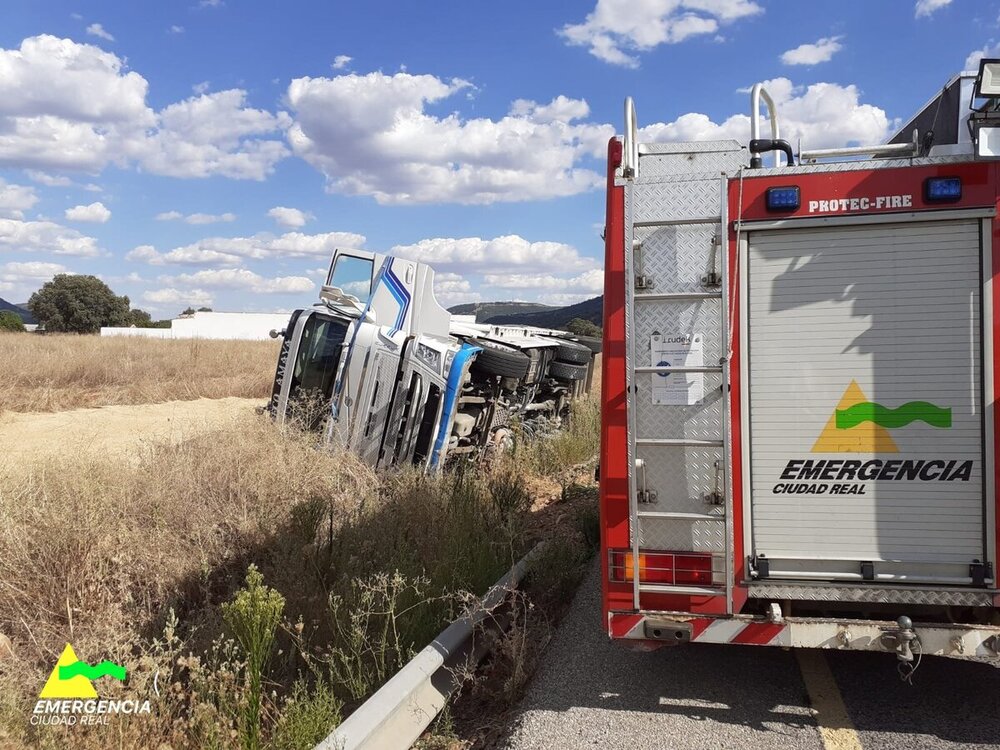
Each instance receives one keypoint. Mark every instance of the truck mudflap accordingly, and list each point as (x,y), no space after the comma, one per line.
(902,638)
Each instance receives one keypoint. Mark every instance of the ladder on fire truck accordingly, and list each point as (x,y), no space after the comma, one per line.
(677,345)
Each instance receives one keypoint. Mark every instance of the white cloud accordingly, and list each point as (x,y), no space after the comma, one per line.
(292,218)
(589,282)
(989,50)
(175,29)
(925,8)
(145,253)
(211,4)
(95,212)
(30,271)
(241,278)
(43,178)
(71,106)
(341,61)
(45,237)
(617,29)
(201,88)
(370,135)
(21,279)
(232,251)
(197,218)
(171,296)
(95,29)
(452,289)
(209,218)
(820,51)
(15,199)
(823,115)
(475,255)
(214,134)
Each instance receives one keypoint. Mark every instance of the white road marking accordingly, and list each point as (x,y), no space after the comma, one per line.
(835,726)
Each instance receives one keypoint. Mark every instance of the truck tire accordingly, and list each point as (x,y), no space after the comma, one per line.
(572,352)
(567,371)
(594,344)
(499,359)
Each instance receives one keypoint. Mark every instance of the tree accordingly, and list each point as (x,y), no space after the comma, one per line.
(189,311)
(78,304)
(11,321)
(140,318)
(204,309)
(582,327)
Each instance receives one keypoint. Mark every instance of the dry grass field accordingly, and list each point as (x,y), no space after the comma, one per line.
(139,556)
(58,372)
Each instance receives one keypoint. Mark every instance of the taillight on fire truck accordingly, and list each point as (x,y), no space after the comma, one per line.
(662,567)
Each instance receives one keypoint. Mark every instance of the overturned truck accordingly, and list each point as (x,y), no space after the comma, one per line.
(379,367)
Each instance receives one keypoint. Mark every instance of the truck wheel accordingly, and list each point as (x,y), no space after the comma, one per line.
(499,359)
(567,371)
(572,352)
(591,342)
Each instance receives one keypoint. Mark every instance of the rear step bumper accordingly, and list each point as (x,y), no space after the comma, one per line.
(655,629)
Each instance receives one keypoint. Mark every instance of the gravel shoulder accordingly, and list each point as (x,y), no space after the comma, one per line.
(116,430)
(591,692)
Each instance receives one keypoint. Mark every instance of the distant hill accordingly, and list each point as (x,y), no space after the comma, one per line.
(25,314)
(555,317)
(486,310)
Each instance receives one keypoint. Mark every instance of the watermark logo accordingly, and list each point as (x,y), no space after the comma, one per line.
(69,696)
(858,425)
(72,678)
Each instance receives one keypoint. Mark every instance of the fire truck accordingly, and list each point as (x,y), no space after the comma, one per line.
(799,427)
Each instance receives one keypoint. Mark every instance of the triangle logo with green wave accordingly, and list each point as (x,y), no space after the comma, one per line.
(858,425)
(71,678)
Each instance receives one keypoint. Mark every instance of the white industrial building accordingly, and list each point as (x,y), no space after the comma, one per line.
(210,325)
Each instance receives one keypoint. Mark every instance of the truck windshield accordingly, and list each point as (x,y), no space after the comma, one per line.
(315,368)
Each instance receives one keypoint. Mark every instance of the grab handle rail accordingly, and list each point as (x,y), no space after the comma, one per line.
(630,142)
(759,145)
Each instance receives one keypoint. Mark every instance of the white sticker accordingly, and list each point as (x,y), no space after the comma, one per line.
(677,350)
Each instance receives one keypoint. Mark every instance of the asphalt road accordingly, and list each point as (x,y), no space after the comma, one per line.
(592,693)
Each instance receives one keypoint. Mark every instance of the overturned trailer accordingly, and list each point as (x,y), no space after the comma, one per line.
(382,369)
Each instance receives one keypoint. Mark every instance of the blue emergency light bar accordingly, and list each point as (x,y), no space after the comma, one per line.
(783,198)
(942,189)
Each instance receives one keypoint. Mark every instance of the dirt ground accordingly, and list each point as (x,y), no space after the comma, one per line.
(30,438)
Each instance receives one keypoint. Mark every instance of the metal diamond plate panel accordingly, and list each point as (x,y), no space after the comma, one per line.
(707,163)
(700,421)
(682,535)
(672,201)
(871,594)
(687,316)
(851,166)
(681,477)
(648,149)
(676,258)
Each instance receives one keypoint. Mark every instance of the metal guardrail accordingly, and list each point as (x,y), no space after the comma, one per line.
(399,712)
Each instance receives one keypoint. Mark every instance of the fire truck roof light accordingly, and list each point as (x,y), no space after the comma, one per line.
(783,198)
(988,80)
(942,189)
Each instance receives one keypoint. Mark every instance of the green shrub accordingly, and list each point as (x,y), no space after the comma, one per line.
(11,321)
(253,616)
(307,716)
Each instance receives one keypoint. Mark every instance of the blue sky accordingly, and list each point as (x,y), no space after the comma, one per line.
(215,152)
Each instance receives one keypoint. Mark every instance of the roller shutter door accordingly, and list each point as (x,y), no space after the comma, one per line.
(866,424)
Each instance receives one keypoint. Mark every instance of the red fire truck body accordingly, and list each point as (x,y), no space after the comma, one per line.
(798,434)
